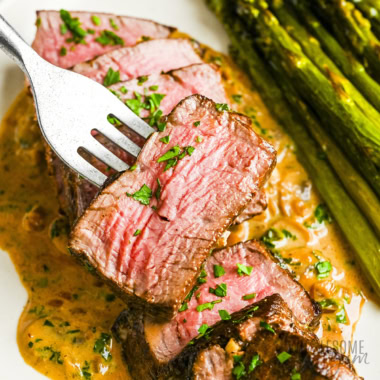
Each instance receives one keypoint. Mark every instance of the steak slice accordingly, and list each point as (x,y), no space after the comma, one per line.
(261,342)
(256,207)
(153,256)
(145,58)
(49,39)
(162,342)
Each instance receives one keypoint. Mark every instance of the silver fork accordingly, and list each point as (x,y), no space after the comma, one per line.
(69,106)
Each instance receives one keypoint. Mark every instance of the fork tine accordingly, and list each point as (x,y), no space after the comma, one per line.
(118,138)
(130,119)
(106,156)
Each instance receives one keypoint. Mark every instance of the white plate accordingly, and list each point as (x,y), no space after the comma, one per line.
(189,16)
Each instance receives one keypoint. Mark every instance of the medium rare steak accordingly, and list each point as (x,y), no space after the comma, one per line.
(161,342)
(149,231)
(145,58)
(261,342)
(50,43)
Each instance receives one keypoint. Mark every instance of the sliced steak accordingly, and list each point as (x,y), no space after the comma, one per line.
(261,342)
(256,207)
(49,39)
(161,342)
(145,58)
(153,256)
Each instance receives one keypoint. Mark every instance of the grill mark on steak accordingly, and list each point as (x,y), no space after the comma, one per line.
(204,359)
(163,341)
(200,197)
(49,39)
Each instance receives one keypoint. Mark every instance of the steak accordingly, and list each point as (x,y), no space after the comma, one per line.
(256,207)
(146,58)
(261,342)
(153,255)
(162,342)
(49,39)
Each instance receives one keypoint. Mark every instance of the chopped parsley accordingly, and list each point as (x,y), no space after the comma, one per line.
(165,139)
(38,22)
(110,297)
(107,37)
(90,31)
(171,153)
(321,214)
(323,269)
(142,79)
(207,305)
(237,98)
(145,38)
(224,315)
(183,307)
(328,303)
(220,290)
(295,376)
(340,316)
(158,191)
(123,90)
(113,24)
(267,326)
(102,346)
(133,168)
(202,277)
(111,77)
(137,232)
(62,51)
(204,329)
(153,88)
(96,20)
(219,271)
(143,195)
(197,123)
(272,235)
(283,357)
(249,296)
(244,270)
(239,369)
(113,120)
(48,323)
(199,139)
(255,362)
(222,107)
(289,235)
(190,150)
(73,25)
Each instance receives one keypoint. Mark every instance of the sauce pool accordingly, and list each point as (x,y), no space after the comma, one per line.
(64,330)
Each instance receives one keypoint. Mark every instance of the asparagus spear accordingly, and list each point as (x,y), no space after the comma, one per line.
(352,30)
(371,9)
(362,238)
(313,50)
(355,133)
(346,61)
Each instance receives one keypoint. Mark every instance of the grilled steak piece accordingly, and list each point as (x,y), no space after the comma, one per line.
(143,59)
(256,207)
(261,342)
(49,39)
(161,342)
(153,256)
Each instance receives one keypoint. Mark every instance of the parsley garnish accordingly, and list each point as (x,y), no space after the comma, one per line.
(203,329)
(219,271)
(321,214)
(267,326)
(323,269)
(142,79)
(197,123)
(224,315)
(73,25)
(143,195)
(239,370)
(111,77)
(165,139)
(190,150)
(340,316)
(237,98)
(295,376)
(158,191)
(133,168)
(96,20)
(113,24)
(183,307)
(107,37)
(123,90)
(221,107)
(137,232)
(283,357)
(207,305)
(153,88)
(48,323)
(199,139)
(244,270)
(249,296)
(220,290)
(255,362)
(102,345)
(63,51)
(328,303)
(171,153)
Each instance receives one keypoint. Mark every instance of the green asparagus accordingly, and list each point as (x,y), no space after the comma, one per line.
(352,30)
(355,133)
(361,237)
(313,50)
(371,9)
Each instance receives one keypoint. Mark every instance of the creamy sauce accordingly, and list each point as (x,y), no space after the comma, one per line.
(64,330)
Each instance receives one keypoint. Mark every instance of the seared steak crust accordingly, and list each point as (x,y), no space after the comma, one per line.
(200,197)
(161,342)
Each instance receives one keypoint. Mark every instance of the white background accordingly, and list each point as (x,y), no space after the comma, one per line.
(190,16)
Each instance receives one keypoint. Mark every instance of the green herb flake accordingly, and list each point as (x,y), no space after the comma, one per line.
(74,26)
(111,77)
(73,331)
(110,297)
(199,139)
(183,307)
(153,88)
(267,326)
(48,323)
(171,163)
(239,370)
(165,139)
(224,315)
(38,22)
(197,123)
(170,154)
(142,79)
(222,107)
(328,303)
(249,296)
(289,235)
(96,20)
(295,376)
(283,357)
(207,305)
(102,346)
(219,271)
(113,24)
(137,232)
(158,190)
(340,316)
(123,90)
(62,51)
(203,329)
(323,269)
(107,37)
(90,31)
(133,168)
(30,344)
(237,98)
(321,214)
(244,270)
(271,236)
(190,150)
(255,362)
(143,195)
(145,38)
(220,290)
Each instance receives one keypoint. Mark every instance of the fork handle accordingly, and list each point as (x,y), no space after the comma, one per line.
(15,47)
